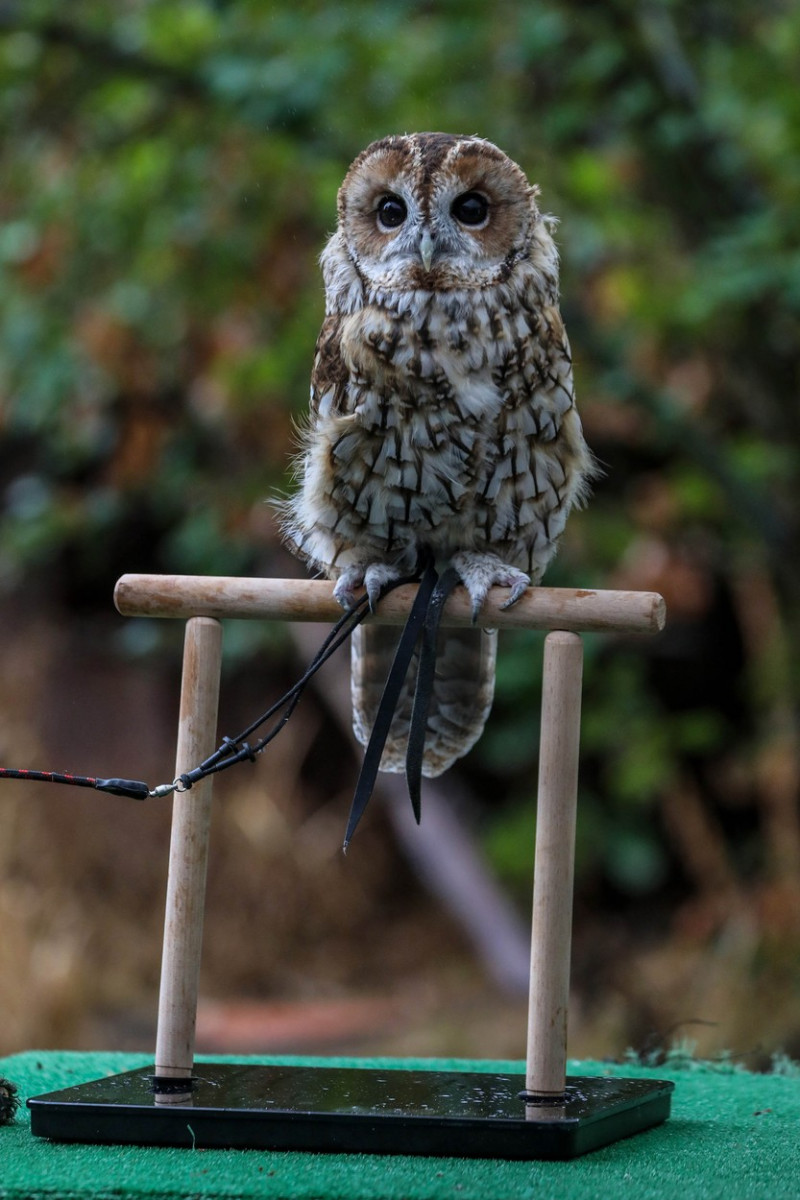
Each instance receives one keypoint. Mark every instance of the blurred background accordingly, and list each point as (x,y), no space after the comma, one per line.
(169,174)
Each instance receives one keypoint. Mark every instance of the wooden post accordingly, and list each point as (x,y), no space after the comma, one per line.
(191,820)
(551,932)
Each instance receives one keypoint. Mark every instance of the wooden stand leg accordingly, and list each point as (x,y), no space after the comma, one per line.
(551,935)
(191,820)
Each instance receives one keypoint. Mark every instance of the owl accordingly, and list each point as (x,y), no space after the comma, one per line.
(442,421)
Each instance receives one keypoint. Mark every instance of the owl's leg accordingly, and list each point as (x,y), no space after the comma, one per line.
(480,570)
(372,578)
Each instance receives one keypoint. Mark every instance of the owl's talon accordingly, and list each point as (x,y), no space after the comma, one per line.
(479,571)
(518,589)
(376,578)
(374,595)
(347,587)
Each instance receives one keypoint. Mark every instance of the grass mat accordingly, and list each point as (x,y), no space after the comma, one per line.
(732,1136)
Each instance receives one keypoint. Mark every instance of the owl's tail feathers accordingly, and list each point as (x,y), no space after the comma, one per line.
(460,698)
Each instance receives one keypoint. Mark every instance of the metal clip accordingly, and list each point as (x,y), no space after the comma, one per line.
(164,789)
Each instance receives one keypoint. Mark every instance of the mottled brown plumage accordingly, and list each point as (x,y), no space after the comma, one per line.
(442,414)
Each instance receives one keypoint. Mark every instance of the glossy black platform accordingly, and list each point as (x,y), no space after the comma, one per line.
(366,1110)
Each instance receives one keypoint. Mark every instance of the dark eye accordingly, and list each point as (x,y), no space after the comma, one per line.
(391,212)
(470,209)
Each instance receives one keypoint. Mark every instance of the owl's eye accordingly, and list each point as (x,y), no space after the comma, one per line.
(471,208)
(392,212)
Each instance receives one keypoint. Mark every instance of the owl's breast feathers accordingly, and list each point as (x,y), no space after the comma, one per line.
(443,420)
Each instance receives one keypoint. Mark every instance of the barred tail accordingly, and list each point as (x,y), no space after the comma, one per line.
(462,693)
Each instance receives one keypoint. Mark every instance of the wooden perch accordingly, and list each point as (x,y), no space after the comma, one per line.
(565,612)
(571,609)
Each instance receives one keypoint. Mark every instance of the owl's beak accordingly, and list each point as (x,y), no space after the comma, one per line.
(426,249)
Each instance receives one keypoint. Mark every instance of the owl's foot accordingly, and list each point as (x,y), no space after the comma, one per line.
(479,571)
(347,586)
(372,578)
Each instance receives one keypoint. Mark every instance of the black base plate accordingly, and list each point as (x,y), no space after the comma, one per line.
(366,1110)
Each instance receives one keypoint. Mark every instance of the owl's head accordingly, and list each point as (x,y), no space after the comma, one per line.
(435,211)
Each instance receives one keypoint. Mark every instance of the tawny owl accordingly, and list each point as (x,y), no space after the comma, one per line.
(443,420)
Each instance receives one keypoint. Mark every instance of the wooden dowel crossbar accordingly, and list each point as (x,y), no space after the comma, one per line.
(220,596)
(203,600)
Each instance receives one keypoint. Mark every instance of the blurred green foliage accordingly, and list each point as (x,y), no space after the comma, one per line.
(169,176)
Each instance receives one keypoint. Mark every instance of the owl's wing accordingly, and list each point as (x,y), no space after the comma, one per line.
(539,464)
(329,374)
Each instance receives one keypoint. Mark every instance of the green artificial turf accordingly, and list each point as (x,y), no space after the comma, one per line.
(732,1135)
